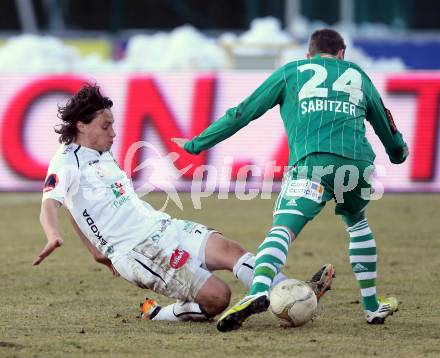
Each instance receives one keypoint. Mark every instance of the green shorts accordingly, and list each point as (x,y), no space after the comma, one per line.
(318,178)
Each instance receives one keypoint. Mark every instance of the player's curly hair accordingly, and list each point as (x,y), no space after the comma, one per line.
(326,41)
(83,106)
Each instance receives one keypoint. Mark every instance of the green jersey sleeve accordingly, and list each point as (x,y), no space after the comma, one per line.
(383,124)
(267,95)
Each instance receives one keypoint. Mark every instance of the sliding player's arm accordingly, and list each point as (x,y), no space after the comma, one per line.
(266,96)
(383,124)
(60,179)
(100,258)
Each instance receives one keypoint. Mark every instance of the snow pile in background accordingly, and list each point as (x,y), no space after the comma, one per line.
(265,36)
(184,48)
(35,54)
(265,31)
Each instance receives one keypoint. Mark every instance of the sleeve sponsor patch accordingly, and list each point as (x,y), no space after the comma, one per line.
(50,183)
(390,119)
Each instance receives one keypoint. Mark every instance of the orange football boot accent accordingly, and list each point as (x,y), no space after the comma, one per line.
(148,308)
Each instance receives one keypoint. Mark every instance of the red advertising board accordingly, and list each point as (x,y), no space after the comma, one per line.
(152,108)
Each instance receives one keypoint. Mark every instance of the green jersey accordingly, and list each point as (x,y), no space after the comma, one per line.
(323,103)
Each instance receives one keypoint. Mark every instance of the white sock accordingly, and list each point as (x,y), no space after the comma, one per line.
(244,271)
(181,311)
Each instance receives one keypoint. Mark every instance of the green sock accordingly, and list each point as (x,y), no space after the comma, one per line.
(363,262)
(271,256)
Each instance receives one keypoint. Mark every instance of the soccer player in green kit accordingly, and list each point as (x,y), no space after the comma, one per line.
(324,102)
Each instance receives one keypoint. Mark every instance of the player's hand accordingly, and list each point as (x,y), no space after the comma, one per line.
(50,246)
(401,157)
(180,142)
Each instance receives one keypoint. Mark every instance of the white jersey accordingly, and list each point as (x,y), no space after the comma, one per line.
(101,199)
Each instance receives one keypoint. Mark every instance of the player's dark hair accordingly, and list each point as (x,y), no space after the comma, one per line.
(326,41)
(84,107)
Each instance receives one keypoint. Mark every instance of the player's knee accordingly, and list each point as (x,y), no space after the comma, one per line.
(215,297)
(351,219)
(220,298)
(291,222)
(223,299)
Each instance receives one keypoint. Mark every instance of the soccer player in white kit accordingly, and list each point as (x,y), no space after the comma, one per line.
(146,247)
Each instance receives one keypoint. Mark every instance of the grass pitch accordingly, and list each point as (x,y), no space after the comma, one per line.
(71,306)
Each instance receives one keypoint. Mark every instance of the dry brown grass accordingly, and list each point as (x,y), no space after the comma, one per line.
(71,306)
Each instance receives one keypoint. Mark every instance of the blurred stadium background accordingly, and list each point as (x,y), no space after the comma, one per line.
(172,67)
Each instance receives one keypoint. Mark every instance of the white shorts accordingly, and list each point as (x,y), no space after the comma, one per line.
(170,262)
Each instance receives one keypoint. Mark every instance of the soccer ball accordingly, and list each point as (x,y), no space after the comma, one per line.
(293,302)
